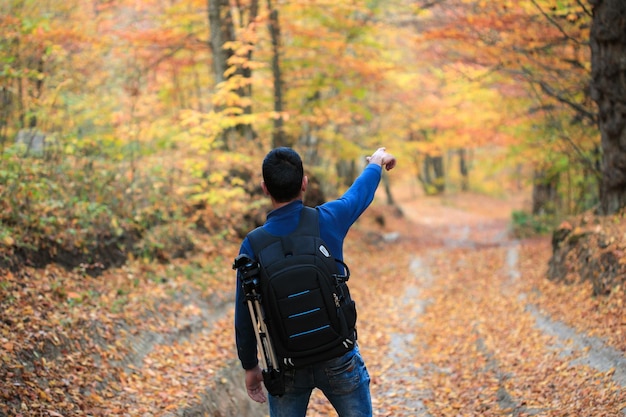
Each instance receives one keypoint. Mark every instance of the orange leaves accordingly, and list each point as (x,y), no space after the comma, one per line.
(445,326)
(64,338)
(475,348)
(517,46)
(175,375)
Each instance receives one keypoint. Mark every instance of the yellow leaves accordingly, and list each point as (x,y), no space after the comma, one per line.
(229,89)
(200,131)
(215,191)
(7,240)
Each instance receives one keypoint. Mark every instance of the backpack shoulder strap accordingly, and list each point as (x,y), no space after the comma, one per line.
(259,239)
(307,226)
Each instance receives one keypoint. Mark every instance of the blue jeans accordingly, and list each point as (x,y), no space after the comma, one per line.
(343,380)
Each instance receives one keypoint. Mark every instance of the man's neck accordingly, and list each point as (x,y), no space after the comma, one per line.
(277,205)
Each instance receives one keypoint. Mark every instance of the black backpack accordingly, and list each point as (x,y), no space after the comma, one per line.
(309,313)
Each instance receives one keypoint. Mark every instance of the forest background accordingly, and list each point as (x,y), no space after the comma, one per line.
(126,124)
(132,131)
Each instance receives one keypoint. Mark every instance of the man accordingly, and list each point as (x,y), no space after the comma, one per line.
(343,380)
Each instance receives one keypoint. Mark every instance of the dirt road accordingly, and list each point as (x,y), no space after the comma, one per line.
(463,331)
(456,318)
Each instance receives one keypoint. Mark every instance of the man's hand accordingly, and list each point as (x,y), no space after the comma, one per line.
(382,158)
(254,384)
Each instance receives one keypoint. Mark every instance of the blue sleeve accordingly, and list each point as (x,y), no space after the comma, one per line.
(337,216)
(244,329)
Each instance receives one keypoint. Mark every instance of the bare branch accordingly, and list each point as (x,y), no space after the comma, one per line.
(584,7)
(429,4)
(547,89)
(555,23)
(583,157)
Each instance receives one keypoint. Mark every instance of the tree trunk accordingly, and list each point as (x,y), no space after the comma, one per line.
(222,30)
(545,196)
(608,90)
(439,171)
(6,107)
(387,186)
(432,175)
(346,171)
(464,169)
(217,42)
(278,134)
(251,10)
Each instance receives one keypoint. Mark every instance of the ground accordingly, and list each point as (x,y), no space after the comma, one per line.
(477,328)
(456,318)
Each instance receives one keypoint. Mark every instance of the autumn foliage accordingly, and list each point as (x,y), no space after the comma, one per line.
(449,324)
(129,172)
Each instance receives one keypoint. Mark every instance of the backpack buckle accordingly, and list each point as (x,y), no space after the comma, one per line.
(340,279)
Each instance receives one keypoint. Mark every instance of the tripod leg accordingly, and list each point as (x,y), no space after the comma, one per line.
(255,321)
(272,376)
(269,348)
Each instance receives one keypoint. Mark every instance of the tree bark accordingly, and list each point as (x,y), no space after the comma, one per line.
(608,90)
(217,42)
(440,174)
(222,30)
(432,175)
(464,169)
(278,134)
(6,107)
(388,193)
(545,195)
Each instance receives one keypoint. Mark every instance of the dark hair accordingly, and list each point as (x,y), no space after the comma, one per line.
(283,173)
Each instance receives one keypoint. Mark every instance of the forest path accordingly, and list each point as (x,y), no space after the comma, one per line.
(463,331)
(455,319)
(469,332)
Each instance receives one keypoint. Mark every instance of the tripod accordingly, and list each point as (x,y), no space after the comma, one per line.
(249,272)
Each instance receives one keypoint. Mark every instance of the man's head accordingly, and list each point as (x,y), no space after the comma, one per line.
(283,174)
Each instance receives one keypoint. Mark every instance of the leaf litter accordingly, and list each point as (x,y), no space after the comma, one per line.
(444,325)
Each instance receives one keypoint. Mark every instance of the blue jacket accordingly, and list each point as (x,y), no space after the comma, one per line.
(335,219)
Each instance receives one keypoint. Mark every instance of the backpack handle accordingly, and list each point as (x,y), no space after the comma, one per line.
(342,278)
